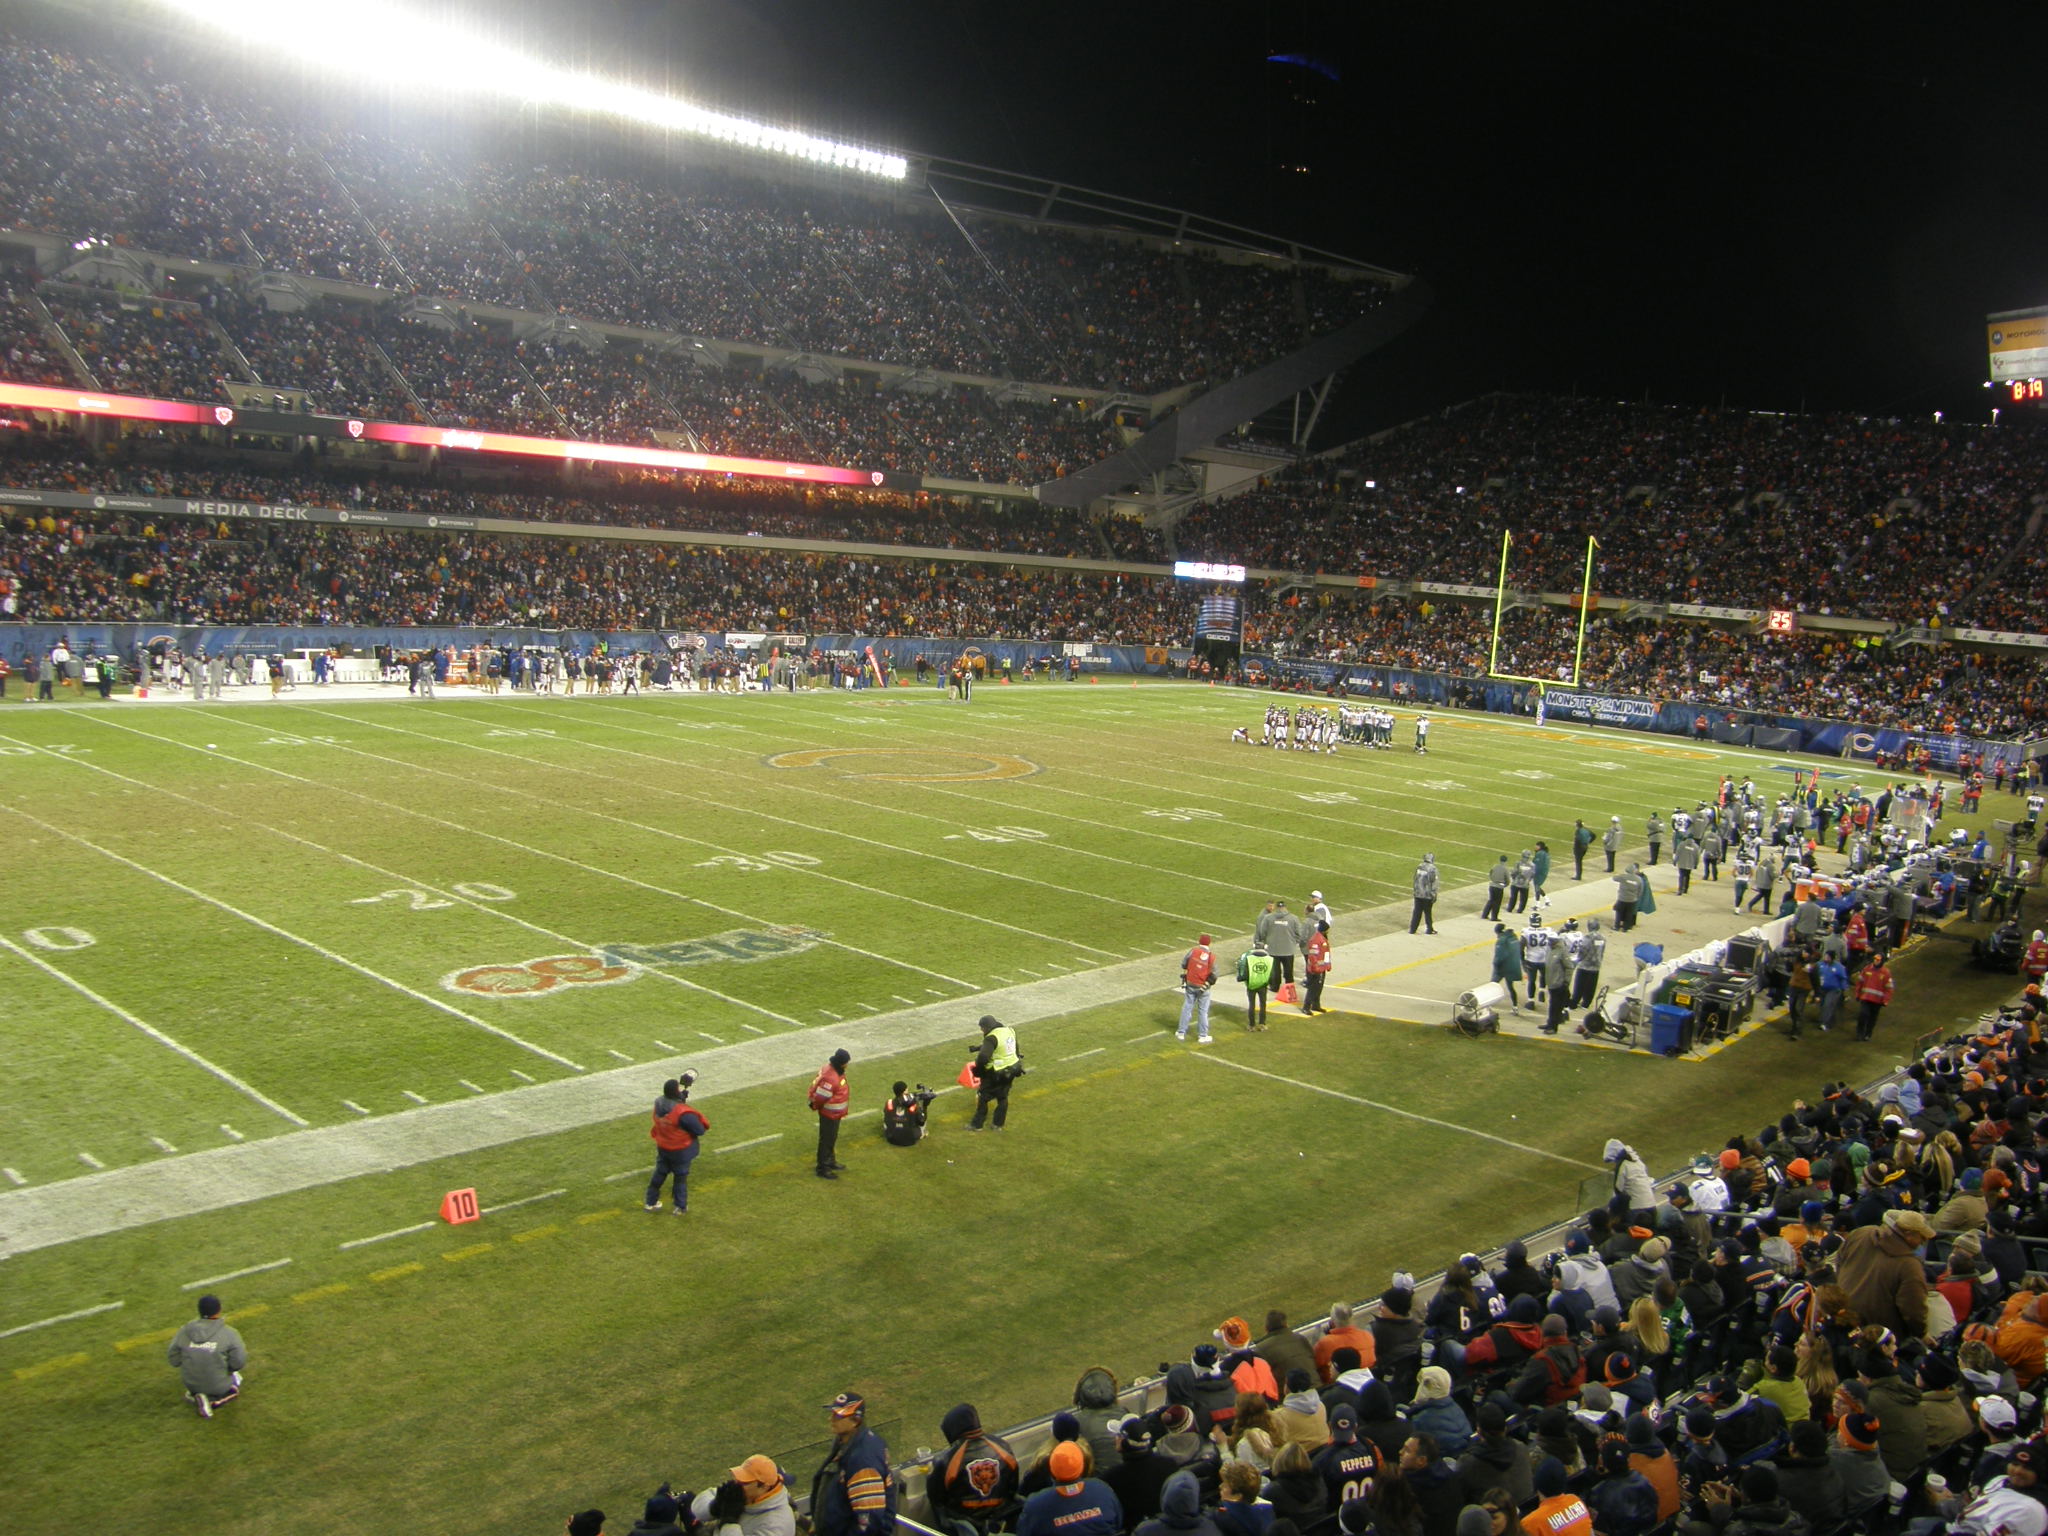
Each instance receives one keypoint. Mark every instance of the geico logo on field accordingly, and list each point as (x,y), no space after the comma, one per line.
(614,963)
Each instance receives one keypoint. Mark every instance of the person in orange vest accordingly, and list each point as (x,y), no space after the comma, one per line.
(2035,962)
(1197,978)
(1873,991)
(829,1098)
(1316,962)
(677,1127)
(1247,1369)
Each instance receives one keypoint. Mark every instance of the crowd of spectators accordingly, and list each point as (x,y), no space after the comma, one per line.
(1826,514)
(1832,1325)
(139,345)
(24,341)
(354,360)
(122,146)
(1817,674)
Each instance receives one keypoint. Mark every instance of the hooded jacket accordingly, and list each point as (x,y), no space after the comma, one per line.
(1443,1418)
(1209,1393)
(1882,1274)
(1426,879)
(1180,1510)
(207,1353)
(1902,1427)
(1501,1463)
(1095,1405)
(1625,1505)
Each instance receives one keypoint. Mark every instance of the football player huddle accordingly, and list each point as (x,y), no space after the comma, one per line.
(1302,730)
(1367,726)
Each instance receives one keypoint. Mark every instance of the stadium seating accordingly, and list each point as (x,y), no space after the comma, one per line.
(147,160)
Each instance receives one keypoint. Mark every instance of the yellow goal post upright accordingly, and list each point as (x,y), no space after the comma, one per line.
(1500,597)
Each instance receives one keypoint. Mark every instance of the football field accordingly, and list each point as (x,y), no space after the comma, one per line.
(279,974)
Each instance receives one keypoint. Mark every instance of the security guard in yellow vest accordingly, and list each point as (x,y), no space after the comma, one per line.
(996,1066)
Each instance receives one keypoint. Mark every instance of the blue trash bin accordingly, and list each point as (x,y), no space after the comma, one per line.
(1670,1029)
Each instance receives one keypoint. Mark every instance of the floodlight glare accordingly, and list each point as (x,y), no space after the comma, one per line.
(380,43)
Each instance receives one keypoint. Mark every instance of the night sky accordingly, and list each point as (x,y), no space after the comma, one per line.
(1773,205)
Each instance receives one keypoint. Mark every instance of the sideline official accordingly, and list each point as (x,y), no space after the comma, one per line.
(829,1098)
(996,1066)
(678,1125)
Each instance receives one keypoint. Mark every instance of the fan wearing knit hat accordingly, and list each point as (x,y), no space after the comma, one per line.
(1076,1501)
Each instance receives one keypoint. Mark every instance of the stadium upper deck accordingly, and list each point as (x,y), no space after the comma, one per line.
(153,153)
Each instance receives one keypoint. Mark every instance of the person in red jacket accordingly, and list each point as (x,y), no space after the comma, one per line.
(1873,991)
(2034,963)
(1316,959)
(677,1127)
(829,1098)
(1856,939)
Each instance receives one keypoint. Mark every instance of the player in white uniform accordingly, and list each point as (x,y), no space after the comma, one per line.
(1422,734)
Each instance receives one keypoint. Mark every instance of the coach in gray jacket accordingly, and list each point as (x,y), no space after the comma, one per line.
(1425,895)
(1280,931)
(209,1356)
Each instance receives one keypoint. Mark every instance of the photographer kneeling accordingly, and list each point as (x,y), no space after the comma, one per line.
(903,1116)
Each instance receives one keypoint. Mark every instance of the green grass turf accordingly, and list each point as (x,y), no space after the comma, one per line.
(591,1350)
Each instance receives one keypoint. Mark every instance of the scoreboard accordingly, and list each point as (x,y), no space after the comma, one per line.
(2017,342)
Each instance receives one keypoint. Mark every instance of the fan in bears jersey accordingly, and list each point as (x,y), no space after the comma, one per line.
(1347,1464)
(975,1477)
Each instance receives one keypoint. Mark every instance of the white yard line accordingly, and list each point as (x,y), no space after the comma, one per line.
(663,832)
(1096,1052)
(233,1274)
(1394,1109)
(62,1317)
(291,938)
(509,1205)
(741,1146)
(153,1032)
(487,908)
(364,1242)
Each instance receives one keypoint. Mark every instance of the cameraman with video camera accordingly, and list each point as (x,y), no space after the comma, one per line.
(996,1066)
(677,1127)
(903,1116)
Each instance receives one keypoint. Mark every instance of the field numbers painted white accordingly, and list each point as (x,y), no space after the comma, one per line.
(1186,813)
(1442,786)
(998,835)
(479,890)
(1605,766)
(60,938)
(754,864)
(419,901)
(1527,773)
(1328,797)
(300,741)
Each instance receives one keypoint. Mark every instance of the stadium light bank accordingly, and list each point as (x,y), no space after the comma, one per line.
(387,46)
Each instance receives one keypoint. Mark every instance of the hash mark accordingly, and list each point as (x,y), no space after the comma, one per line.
(13,1178)
(90,1161)
(664,1045)
(753,1030)
(352,1104)
(472,1087)
(622,1055)
(521,1075)
(232,1134)
(936,991)
(908,1002)
(1027,970)
(161,1145)
(831,1015)
(712,1038)
(413,1096)
(871,1008)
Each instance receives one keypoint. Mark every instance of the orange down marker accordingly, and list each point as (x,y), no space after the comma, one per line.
(458,1206)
